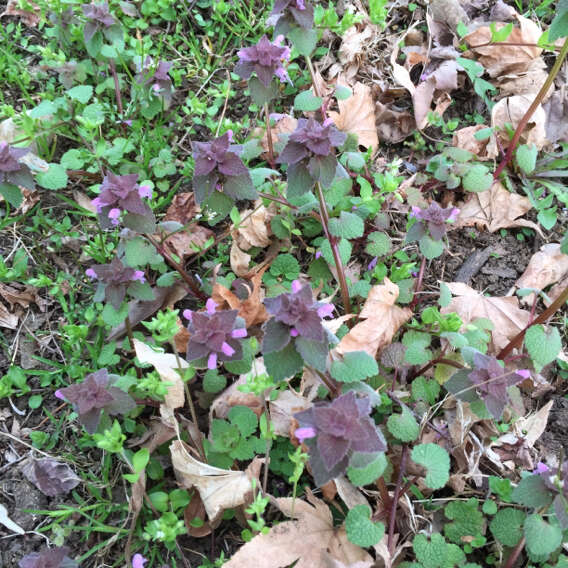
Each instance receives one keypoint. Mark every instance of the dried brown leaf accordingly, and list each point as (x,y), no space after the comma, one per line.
(282,410)
(556,124)
(220,489)
(306,540)
(30,18)
(285,125)
(465,138)
(495,209)
(393,126)
(187,243)
(8,320)
(357,116)
(254,231)
(504,312)
(50,476)
(182,208)
(196,510)
(381,320)
(240,260)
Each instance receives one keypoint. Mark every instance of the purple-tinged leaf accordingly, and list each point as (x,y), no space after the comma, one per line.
(48,558)
(50,476)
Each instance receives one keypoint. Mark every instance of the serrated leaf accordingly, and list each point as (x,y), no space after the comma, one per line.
(426,390)
(283,364)
(213,382)
(54,178)
(307,101)
(366,468)
(355,366)
(245,420)
(506,526)
(360,529)
(430,248)
(344,251)
(542,538)
(416,343)
(543,345)
(403,426)
(477,179)
(261,94)
(526,157)
(431,553)
(12,194)
(81,93)
(139,252)
(467,520)
(378,244)
(436,461)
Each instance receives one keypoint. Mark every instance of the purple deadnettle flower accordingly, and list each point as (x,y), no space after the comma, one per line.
(138,561)
(99,18)
(215,335)
(94,395)
(11,170)
(121,195)
(48,558)
(334,430)
(265,59)
(310,150)
(287,14)
(218,167)
(114,280)
(434,220)
(156,77)
(295,315)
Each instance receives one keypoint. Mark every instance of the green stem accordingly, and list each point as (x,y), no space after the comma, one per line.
(334,249)
(269,136)
(530,111)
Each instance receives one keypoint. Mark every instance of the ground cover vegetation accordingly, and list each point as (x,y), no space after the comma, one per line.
(283,284)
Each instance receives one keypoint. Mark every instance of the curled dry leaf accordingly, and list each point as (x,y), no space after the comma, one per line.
(393,126)
(167,366)
(196,510)
(220,489)
(254,231)
(187,243)
(8,320)
(381,319)
(495,209)
(30,18)
(465,138)
(357,116)
(305,540)
(556,109)
(283,408)
(240,260)
(547,266)
(504,312)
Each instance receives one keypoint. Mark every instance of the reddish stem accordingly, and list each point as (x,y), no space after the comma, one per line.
(392,520)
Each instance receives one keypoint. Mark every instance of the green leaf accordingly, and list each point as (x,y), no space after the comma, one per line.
(477,179)
(547,217)
(12,194)
(139,252)
(506,526)
(502,34)
(445,295)
(35,401)
(54,178)
(140,459)
(467,520)
(303,40)
(283,364)
(532,492)
(417,352)
(426,390)
(355,366)
(403,426)
(526,157)
(159,500)
(366,468)
(360,529)
(285,265)
(342,92)
(114,317)
(430,553)
(344,251)
(379,244)
(348,226)
(245,420)
(81,93)
(45,108)
(543,345)
(261,94)
(559,26)
(430,248)
(542,537)
(436,461)
(213,382)
(307,101)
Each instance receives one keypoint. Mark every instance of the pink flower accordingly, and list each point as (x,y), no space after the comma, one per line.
(138,561)
(91,273)
(139,275)
(145,191)
(525,373)
(304,433)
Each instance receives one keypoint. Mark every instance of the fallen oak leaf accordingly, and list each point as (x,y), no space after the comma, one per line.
(254,230)
(503,311)
(306,540)
(220,489)
(381,320)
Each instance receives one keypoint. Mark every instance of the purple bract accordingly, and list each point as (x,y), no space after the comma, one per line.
(11,170)
(98,16)
(265,59)
(290,13)
(48,558)
(434,219)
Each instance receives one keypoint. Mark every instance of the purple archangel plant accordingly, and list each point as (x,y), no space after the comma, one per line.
(219,168)
(265,59)
(289,14)
(489,381)
(215,335)
(13,173)
(94,395)
(100,22)
(115,280)
(432,221)
(156,78)
(297,324)
(334,431)
(48,558)
(310,154)
(120,200)
(556,482)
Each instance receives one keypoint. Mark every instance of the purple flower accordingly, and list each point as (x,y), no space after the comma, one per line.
(305,433)
(373,263)
(217,166)
(265,59)
(138,561)
(541,468)
(114,280)
(119,195)
(99,18)
(341,427)
(291,13)
(156,77)
(11,170)
(215,335)
(94,395)
(48,558)
(434,220)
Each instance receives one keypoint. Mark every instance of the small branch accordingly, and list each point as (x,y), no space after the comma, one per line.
(418,285)
(269,136)
(515,554)
(117,93)
(530,111)
(392,520)
(334,249)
